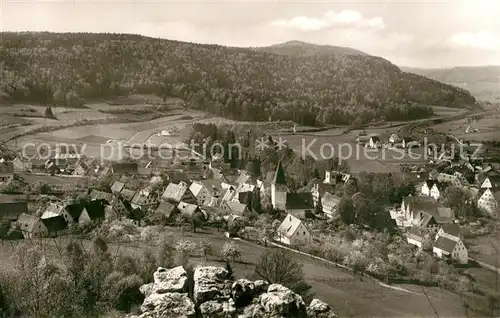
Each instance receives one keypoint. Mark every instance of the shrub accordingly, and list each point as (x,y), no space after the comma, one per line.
(230,252)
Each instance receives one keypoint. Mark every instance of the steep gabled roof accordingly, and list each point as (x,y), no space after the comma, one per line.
(74,210)
(243,177)
(445,244)
(55,223)
(117,187)
(195,188)
(237,208)
(187,208)
(166,208)
(127,194)
(95,210)
(53,210)
(429,183)
(101,195)
(415,233)
(451,229)
(289,225)
(175,191)
(245,197)
(6,167)
(300,200)
(279,176)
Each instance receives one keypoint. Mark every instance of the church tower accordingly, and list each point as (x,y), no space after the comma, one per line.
(279,188)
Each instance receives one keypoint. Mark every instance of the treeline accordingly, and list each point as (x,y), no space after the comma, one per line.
(243,84)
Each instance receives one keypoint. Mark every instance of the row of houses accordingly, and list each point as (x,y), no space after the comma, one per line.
(394,141)
(485,192)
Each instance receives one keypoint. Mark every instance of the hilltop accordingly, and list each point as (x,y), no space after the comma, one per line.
(237,83)
(299,48)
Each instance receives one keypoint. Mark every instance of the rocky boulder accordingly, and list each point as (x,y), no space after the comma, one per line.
(218,309)
(215,296)
(242,292)
(175,305)
(170,280)
(209,283)
(280,301)
(320,309)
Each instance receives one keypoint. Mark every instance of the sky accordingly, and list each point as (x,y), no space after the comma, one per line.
(429,34)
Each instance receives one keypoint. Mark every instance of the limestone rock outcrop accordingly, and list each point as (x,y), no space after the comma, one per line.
(210,293)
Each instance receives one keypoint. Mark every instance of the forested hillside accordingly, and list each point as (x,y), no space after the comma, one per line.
(54,68)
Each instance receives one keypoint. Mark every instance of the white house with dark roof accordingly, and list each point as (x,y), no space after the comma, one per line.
(445,247)
(374,142)
(426,186)
(293,232)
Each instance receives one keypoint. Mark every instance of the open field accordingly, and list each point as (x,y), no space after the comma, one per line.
(348,296)
(94,136)
(345,147)
(488,126)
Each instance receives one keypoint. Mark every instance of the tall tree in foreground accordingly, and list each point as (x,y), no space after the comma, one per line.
(278,267)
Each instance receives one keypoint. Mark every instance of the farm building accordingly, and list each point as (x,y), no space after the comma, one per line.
(445,247)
